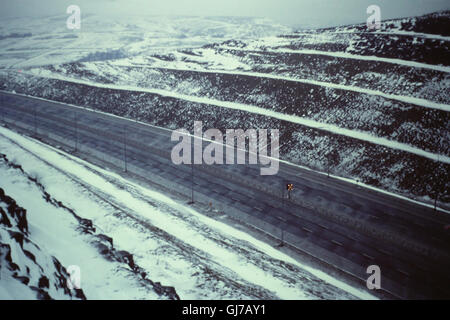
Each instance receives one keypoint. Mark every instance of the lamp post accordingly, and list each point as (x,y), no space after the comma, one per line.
(35,121)
(282,239)
(436,185)
(328,167)
(328,154)
(125,147)
(198,134)
(76,131)
(192,183)
(2,106)
(192,175)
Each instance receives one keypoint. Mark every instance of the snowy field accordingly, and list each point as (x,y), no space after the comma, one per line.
(202,258)
(29,42)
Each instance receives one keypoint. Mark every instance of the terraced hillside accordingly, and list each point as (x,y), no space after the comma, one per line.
(367,105)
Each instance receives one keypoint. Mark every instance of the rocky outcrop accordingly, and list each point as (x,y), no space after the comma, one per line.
(21,260)
(15,223)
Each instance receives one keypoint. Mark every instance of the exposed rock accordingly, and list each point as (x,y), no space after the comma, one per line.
(45,280)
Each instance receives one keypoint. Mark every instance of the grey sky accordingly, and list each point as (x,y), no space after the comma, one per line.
(291,12)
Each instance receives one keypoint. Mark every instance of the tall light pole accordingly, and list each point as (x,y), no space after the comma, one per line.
(35,121)
(436,184)
(76,131)
(328,167)
(192,174)
(125,147)
(2,106)
(192,183)
(328,160)
(193,148)
(281,244)
(328,154)
(440,178)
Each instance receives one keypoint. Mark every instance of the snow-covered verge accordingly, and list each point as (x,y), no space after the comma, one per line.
(201,257)
(56,229)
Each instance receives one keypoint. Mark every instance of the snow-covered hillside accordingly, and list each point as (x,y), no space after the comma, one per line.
(372,106)
(40,237)
(432,25)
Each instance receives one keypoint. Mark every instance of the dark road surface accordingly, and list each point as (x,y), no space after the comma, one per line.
(325,217)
